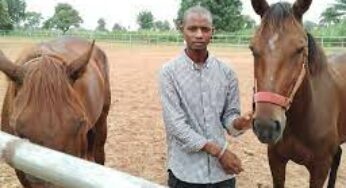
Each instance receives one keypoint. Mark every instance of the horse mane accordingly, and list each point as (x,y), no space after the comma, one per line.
(280,17)
(46,85)
(276,15)
(317,60)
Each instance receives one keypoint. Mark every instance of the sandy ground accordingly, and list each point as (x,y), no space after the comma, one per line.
(136,138)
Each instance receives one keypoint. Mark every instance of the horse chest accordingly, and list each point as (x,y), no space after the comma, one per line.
(293,149)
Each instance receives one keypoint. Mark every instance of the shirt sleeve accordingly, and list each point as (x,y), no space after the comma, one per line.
(174,116)
(231,109)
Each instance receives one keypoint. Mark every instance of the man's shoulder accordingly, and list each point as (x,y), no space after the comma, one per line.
(223,65)
(172,64)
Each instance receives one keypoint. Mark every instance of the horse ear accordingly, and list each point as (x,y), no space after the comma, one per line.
(77,67)
(13,71)
(260,6)
(300,7)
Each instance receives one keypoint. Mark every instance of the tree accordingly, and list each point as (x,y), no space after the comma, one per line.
(5,20)
(248,22)
(101,25)
(32,20)
(309,25)
(48,24)
(226,14)
(340,6)
(145,20)
(16,10)
(65,17)
(330,16)
(162,25)
(118,27)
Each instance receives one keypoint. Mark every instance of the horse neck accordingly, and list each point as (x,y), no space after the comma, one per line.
(305,98)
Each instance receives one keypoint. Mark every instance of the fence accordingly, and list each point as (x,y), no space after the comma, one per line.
(160,38)
(61,169)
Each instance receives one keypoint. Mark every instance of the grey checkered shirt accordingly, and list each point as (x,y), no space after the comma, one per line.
(199,104)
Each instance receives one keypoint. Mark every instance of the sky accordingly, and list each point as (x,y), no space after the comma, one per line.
(124,12)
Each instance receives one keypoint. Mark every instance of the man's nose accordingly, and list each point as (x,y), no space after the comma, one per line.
(199,33)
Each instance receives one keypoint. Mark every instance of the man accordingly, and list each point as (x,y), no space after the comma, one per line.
(200,100)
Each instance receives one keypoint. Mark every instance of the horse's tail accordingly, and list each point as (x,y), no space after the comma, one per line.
(334,168)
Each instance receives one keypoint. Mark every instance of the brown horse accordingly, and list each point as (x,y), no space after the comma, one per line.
(300,99)
(58,96)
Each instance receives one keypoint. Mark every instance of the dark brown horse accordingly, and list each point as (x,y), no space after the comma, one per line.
(58,96)
(300,99)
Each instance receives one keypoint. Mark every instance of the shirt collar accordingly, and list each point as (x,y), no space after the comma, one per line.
(193,65)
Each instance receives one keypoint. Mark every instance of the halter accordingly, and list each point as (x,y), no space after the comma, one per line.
(277,99)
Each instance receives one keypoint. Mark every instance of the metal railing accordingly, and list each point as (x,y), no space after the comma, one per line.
(62,169)
(173,38)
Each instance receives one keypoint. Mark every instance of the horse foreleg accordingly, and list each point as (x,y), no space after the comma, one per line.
(22,179)
(278,168)
(101,132)
(319,172)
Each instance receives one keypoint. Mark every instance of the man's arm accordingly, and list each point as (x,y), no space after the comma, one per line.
(175,118)
(232,107)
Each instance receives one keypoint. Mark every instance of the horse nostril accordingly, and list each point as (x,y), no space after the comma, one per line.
(255,125)
(277,126)
(21,136)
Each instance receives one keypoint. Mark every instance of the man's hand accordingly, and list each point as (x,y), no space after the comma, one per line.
(230,163)
(243,122)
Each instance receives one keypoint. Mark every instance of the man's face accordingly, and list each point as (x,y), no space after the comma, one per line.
(197,31)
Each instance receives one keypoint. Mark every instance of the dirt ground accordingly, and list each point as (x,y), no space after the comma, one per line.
(136,138)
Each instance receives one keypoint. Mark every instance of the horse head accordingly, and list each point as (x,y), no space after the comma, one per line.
(45,108)
(280,51)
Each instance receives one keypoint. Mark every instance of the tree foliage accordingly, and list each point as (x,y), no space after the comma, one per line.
(101,25)
(248,22)
(162,25)
(310,25)
(16,10)
(32,20)
(330,16)
(145,20)
(65,17)
(226,13)
(5,20)
(118,27)
(340,7)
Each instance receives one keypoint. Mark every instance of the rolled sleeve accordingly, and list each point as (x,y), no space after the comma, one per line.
(175,118)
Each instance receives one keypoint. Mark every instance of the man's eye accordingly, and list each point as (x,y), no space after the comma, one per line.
(193,28)
(206,29)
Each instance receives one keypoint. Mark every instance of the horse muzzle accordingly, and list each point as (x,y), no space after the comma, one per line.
(267,130)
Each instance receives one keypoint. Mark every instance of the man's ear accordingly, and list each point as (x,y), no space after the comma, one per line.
(181,27)
(212,32)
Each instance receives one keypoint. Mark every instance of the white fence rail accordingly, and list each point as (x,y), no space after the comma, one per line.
(63,170)
(156,38)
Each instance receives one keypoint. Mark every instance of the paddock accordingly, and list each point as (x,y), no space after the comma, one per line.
(136,139)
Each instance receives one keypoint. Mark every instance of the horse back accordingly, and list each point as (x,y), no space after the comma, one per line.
(338,72)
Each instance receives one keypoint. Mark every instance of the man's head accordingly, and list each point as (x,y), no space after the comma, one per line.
(197,28)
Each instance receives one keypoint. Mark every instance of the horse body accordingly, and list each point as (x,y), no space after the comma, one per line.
(59,97)
(300,99)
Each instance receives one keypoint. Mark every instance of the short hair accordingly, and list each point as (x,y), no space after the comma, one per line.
(199,10)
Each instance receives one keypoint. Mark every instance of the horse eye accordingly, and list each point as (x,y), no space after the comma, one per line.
(299,50)
(254,52)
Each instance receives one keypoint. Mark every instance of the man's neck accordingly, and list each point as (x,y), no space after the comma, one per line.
(197,56)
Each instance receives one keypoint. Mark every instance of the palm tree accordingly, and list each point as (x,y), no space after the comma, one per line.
(340,6)
(330,16)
